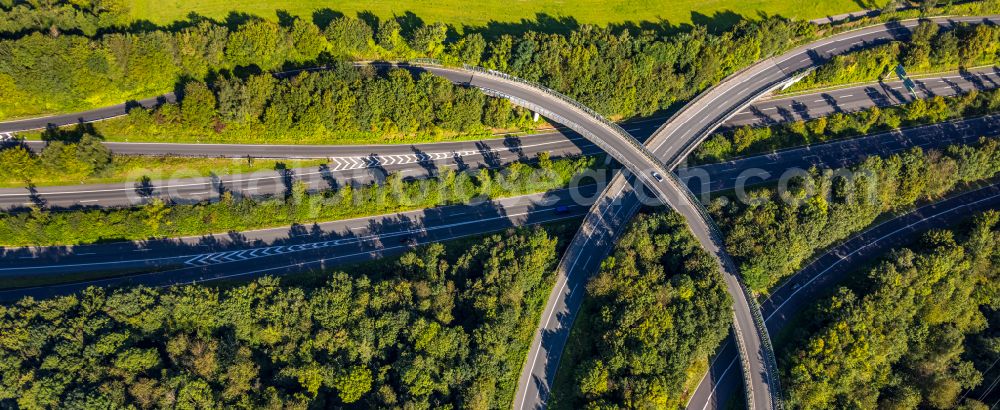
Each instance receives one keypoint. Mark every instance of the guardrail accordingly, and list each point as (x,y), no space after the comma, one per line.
(610,125)
(690,145)
(565,121)
(714,232)
(718,238)
(617,129)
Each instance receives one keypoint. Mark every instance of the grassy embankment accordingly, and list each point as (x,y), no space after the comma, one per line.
(125,168)
(479,13)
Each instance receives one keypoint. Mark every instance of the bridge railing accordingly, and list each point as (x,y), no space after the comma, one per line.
(611,125)
(715,233)
(617,155)
(719,239)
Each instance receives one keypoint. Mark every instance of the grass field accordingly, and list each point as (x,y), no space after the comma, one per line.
(482,12)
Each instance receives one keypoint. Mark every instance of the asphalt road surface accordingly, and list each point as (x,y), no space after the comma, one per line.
(367,163)
(814,104)
(778,109)
(355,165)
(609,137)
(815,281)
(672,143)
(272,251)
(96,114)
(212,256)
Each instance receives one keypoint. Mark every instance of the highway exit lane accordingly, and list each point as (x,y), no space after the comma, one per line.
(815,282)
(724,176)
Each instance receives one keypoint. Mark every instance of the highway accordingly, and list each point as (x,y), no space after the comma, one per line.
(96,114)
(367,163)
(817,103)
(351,165)
(613,140)
(712,177)
(776,109)
(619,202)
(820,277)
(182,260)
(354,165)
(672,143)
(274,251)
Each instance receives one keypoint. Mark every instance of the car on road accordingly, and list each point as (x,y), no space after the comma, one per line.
(657,176)
(562,209)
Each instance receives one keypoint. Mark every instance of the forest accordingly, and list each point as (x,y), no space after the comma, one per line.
(748,140)
(40,226)
(917,330)
(772,233)
(618,71)
(930,49)
(434,329)
(84,17)
(656,310)
(85,157)
(344,104)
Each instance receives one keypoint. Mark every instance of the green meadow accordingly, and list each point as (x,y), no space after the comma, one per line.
(482,12)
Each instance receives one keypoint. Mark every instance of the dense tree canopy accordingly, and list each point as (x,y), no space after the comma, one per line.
(657,308)
(344,104)
(433,330)
(233,212)
(55,16)
(618,71)
(930,49)
(748,140)
(75,159)
(898,338)
(774,233)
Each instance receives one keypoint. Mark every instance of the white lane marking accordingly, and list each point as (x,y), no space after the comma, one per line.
(271,177)
(84,201)
(565,281)
(218,256)
(716,385)
(877,240)
(847,96)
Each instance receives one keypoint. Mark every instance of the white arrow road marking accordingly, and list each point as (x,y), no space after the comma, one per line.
(361,162)
(216,258)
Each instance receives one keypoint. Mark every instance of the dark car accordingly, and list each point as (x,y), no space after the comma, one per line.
(562,209)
